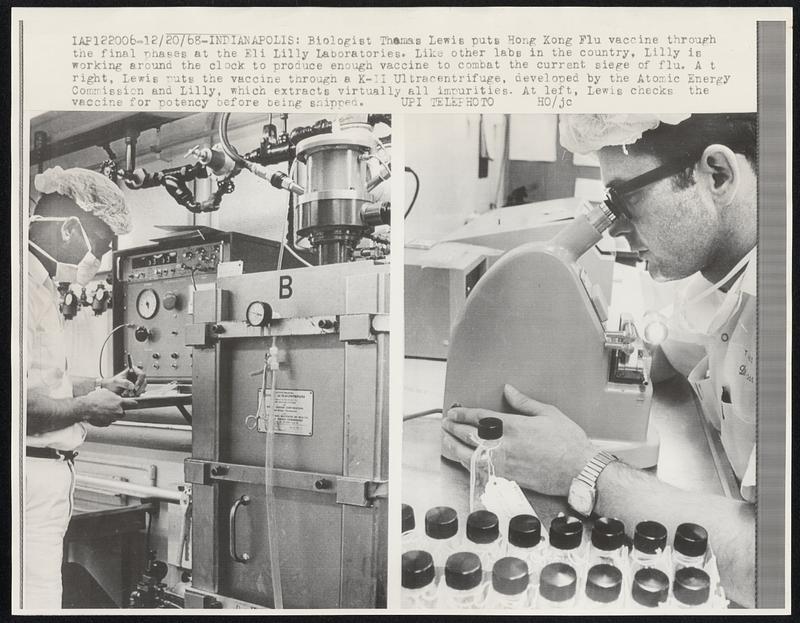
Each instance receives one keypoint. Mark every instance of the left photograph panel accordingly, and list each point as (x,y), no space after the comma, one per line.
(206,365)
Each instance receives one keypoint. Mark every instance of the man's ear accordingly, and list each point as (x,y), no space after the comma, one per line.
(719,171)
(69,228)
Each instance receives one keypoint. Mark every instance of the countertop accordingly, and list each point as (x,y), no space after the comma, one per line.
(688,456)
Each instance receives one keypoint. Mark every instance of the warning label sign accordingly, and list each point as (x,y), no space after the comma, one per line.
(294,412)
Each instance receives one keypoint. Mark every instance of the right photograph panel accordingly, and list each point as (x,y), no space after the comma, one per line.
(580,362)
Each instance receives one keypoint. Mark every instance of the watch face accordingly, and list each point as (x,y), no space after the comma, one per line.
(581,497)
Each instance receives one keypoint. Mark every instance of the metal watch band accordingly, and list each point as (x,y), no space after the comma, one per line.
(591,471)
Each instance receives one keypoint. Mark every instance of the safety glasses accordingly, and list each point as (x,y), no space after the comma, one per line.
(616,191)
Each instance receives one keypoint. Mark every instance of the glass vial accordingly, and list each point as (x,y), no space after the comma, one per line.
(441,530)
(557,584)
(463,582)
(566,536)
(418,583)
(650,587)
(689,546)
(603,586)
(481,466)
(483,537)
(608,542)
(409,538)
(649,543)
(691,587)
(525,543)
(509,589)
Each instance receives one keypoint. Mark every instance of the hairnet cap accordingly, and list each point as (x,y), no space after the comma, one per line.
(91,191)
(584,134)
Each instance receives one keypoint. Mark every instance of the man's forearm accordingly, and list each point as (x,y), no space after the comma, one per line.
(82,385)
(47,414)
(632,496)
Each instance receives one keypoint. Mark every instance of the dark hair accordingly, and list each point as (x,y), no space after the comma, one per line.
(54,204)
(738,131)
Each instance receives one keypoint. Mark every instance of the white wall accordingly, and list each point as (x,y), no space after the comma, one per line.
(443,150)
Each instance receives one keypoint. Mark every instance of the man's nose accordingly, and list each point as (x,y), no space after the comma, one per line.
(620,227)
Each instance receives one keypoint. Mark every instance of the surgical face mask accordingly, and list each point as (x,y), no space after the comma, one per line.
(82,272)
(701,321)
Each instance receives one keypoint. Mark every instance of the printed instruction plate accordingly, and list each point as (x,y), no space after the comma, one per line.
(294,412)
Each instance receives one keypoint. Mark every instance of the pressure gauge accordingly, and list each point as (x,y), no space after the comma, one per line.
(147,303)
(258,314)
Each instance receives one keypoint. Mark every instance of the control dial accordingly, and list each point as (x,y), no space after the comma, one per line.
(170,301)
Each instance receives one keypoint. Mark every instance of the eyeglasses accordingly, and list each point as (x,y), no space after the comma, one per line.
(616,191)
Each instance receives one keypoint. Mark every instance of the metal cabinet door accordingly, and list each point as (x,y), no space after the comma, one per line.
(310,526)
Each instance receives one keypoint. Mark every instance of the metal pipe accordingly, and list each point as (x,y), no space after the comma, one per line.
(128,488)
(174,439)
(185,427)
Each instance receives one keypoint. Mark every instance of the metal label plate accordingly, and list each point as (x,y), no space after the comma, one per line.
(294,412)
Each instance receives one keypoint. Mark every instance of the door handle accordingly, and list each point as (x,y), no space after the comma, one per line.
(244,557)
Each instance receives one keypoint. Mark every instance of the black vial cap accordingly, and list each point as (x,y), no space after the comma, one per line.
(418,569)
(557,582)
(524,531)
(650,587)
(649,537)
(691,539)
(510,576)
(441,522)
(608,534)
(490,428)
(482,527)
(566,532)
(462,571)
(408,518)
(603,583)
(691,586)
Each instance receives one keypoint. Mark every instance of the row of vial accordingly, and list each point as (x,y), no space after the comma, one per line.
(485,570)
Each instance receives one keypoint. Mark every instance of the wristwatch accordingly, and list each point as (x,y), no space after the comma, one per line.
(583,490)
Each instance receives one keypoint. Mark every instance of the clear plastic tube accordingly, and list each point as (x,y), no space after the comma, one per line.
(269,463)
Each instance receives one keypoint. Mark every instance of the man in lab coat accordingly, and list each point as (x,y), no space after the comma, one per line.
(73,225)
(687,186)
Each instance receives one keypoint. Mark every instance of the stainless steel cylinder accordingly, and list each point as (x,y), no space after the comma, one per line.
(335,178)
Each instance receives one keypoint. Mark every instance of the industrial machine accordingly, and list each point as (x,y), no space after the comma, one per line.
(268,367)
(157,285)
(536,321)
(433,294)
(437,282)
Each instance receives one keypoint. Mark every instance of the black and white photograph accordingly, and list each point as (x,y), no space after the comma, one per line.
(580,362)
(556,381)
(207,361)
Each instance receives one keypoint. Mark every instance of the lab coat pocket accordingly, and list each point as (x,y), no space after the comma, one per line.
(738,438)
(704,388)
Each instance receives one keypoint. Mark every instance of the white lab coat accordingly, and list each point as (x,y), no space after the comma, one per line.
(716,338)
(49,483)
